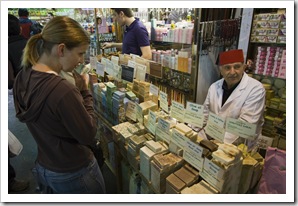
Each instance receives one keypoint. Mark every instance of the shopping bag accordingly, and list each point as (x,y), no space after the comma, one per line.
(14,145)
(273,180)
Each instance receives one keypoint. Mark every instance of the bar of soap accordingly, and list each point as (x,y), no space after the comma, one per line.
(209,145)
(230,149)
(223,157)
(175,182)
(183,128)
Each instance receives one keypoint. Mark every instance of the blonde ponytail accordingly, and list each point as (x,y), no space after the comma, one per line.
(32,51)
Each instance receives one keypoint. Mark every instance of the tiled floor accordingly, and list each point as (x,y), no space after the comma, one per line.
(25,161)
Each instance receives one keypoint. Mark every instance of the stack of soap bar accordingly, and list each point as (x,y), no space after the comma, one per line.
(148,105)
(154,146)
(223,172)
(187,177)
(129,86)
(246,174)
(135,86)
(162,165)
(146,156)
(147,152)
(200,188)
(130,95)
(135,143)
(174,185)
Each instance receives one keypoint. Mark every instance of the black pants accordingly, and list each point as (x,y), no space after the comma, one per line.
(11,171)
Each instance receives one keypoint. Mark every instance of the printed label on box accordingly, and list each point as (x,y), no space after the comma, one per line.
(243,129)
(152,122)
(194,114)
(193,155)
(177,111)
(163,130)
(178,138)
(163,100)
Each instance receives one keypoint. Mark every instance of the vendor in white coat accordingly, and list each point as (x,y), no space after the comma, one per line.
(236,95)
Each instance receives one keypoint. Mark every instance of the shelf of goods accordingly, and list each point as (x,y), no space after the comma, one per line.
(164,155)
(143,125)
(267,49)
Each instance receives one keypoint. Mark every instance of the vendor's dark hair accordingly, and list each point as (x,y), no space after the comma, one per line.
(23,12)
(13,25)
(127,11)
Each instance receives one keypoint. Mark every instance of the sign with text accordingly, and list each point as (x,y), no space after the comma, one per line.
(100,70)
(131,111)
(139,111)
(194,114)
(154,90)
(216,119)
(140,72)
(243,129)
(163,130)
(93,62)
(104,60)
(192,153)
(117,71)
(110,67)
(152,122)
(178,138)
(215,131)
(133,65)
(127,73)
(212,174)
(177,111)
(163,101)
(115,59)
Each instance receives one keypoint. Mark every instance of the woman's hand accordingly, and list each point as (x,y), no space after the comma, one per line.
(81,80)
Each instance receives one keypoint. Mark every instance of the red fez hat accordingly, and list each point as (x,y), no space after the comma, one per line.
(230,57)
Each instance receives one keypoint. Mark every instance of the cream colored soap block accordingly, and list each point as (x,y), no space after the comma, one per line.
(246,174)
(230,149)
(221,156)
(204,188)
(154,146)
(183,128)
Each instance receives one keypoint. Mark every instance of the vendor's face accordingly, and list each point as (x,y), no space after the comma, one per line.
(232,73)
(119,18)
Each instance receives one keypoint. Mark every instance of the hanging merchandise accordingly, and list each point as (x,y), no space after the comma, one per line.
(273,180)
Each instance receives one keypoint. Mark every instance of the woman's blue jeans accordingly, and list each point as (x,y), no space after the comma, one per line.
(88,180)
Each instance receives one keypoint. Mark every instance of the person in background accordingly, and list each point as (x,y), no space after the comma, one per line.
(236,95)
(16,44)
(29,27)
(136,37)
(50,15)
(59,115)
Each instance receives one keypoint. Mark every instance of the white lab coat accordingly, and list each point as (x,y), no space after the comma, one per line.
(247,103)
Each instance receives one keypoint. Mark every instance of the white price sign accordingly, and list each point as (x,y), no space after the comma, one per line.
(243,129)
(163,100)
(163,130)
(152,122)
(192,153)
(194,114)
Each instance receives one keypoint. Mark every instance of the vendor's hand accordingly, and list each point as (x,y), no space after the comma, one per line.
(106,45)
(81,80)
